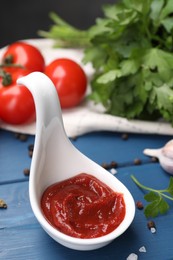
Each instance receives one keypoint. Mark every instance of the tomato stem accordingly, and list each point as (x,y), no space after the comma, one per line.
(6,78)
(8,59)
(8,62)
(10,65)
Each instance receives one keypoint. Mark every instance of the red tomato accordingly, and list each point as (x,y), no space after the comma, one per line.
(69,79)
(24,54)
(16,102)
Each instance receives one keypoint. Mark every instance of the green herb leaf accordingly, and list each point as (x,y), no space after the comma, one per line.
(170,187)
(157,198)
(156,8)
(157,205)
(167,10)
(131,50)
(109,76)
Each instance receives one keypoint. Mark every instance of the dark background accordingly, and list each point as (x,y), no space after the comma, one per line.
(21,19)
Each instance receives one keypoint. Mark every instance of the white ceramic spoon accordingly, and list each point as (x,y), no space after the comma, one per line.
(55,159)
(164,155)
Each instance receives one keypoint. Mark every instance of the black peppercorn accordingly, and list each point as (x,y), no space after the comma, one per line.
(30,150)
(21,137)
(139,205)
(151,224)
(31,147)
(26,171)
(30,153)
(124,136)
(105,165)
(154,159)
(3,204)
(137,161)
(113,164)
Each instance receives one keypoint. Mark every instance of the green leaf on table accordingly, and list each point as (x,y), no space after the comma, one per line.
(157,205)
(170,187)
(151,196)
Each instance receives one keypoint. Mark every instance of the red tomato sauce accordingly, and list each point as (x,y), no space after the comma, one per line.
(83,207)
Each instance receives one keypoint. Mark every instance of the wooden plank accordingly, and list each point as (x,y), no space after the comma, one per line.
(109,146)
(13,157)
(101,147)
(21,236)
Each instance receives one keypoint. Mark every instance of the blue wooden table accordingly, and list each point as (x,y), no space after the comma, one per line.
(21,236)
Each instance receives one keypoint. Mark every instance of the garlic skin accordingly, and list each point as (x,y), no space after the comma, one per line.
(164,155)
(167,150)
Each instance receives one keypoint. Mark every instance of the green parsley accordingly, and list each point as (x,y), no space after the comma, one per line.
(156,198)
(131,50)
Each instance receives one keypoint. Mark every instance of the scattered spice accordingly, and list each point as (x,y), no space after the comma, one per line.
(3,204)
(31,147)
(17,135)
(30,153)
(105,166)
(73,138)
(142,249)
(113,171)
(114,164)
(110,165)
(139,205)
(21,137)
(154,159)
(153,230)
(125,136)
(137,161)
(132,256)
(26,171)
(30,150)
(151,224)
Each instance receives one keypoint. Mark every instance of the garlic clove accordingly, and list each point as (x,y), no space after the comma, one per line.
(153,152)
(164,155)
(167,164)
(168,150)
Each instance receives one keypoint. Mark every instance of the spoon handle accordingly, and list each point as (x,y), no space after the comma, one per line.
(45,96)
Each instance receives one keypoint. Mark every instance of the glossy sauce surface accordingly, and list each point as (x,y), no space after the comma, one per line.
(83,207)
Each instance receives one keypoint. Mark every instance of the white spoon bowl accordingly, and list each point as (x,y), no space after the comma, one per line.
(56,159)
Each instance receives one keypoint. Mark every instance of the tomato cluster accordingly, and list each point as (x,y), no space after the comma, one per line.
(16,102)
